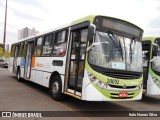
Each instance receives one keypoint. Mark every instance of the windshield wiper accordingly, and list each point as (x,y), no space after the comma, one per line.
(116,42)
(121,50)
(132,48)
(112,37)
(131,51)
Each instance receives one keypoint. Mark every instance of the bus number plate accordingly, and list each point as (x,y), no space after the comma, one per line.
(123,94)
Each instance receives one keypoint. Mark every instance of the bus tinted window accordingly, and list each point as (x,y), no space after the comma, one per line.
(24,51)
(47,46)
(59,48)
(60,37)
(21,49)
(37,50)
(12,51)
(48,39)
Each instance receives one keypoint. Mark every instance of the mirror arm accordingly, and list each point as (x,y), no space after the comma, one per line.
(88,49)
(93,27)
(153,59)
(94,30)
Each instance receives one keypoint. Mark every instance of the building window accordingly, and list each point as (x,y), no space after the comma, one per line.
(59,48)
(37,51)
(47,45)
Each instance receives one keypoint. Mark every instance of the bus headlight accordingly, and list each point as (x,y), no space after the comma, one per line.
(97,82)
(139,86)
(156,80)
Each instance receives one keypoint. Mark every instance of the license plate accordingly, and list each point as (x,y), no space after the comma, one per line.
(123,94)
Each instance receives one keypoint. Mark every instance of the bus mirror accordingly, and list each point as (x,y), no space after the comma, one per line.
(91,33)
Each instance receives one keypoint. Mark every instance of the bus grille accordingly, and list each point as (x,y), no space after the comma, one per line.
(116,96)
(121,97)
(127,87)
(122,76)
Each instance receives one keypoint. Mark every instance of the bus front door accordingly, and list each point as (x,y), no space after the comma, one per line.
(28,60)
(76,61)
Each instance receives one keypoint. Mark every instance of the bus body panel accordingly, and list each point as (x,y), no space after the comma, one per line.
(93,92)
(18,61)
(33,75)
(152,88)
(89,93)
(43,68)
(10,66)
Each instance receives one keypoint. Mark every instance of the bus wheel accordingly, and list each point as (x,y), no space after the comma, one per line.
(18,76)
(55,88)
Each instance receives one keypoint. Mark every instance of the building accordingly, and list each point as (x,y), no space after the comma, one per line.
(25,32)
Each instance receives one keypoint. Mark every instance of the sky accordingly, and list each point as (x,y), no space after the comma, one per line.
(47,14)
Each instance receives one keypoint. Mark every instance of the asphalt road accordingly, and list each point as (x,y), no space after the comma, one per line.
(28,96)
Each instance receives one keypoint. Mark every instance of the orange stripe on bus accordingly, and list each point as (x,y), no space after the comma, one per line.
(33,62)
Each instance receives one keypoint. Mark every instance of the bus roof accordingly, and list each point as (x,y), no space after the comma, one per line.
(89,18)
(150,38)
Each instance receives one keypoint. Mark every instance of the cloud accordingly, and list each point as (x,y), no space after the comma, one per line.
(155,23)
(30,2)
(27,16)
(1,4)
(10,35)
(48,14)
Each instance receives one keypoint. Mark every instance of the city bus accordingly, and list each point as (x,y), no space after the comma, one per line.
(151,65)
(95,58)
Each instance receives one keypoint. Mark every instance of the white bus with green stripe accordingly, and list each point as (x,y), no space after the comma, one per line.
(96,58)
(151,65)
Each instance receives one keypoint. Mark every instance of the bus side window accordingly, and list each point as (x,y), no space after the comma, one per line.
(83,45)
(59,48)
(37,49)
(17,51)
(24,50)
(12,51)
(47,45)
(21,50)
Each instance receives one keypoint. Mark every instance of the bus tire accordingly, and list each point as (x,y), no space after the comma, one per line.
(18,76)
(55,88)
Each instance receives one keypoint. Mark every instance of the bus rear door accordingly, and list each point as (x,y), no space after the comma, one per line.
(29,54)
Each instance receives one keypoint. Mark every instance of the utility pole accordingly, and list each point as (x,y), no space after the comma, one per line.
(4,37)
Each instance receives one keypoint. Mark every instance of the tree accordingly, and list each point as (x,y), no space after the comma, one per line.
(1,45)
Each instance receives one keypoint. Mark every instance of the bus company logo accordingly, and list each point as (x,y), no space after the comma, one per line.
(124,86)
(6,114)
(39,65)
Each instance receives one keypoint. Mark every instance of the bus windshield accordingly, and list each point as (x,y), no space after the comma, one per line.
(156,62)
(116,52)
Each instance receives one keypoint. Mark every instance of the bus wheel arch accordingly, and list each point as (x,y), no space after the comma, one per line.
(56,86)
